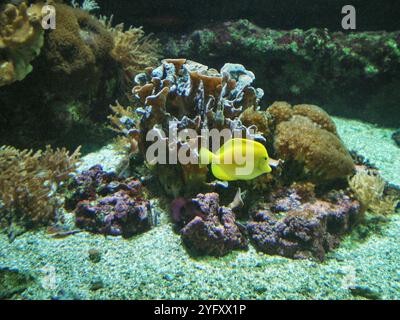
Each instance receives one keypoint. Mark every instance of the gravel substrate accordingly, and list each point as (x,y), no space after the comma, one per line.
(155,265)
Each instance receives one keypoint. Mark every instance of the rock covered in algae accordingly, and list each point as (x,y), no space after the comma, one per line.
(297,224)
(213,231)
(360,77)
(107,204)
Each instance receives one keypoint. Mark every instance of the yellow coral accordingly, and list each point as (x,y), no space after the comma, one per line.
(21,38)
(369,190)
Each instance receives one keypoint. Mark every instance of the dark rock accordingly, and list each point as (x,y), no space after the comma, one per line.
(396,137)
(94,255)
(13,282)
(96,284)
(214,230)
(365,292)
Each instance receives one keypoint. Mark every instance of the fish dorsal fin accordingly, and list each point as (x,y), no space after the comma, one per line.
(239,142)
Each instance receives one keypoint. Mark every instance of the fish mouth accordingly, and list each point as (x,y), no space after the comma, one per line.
(267,168)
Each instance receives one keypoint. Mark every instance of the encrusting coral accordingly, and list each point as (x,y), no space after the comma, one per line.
(21,38)
(30,182)
(77,49)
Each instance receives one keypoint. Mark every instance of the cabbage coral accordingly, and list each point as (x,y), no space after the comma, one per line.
(29,182)
(21,38)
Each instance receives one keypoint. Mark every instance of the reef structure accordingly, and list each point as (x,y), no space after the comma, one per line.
(68,75)
(182,94)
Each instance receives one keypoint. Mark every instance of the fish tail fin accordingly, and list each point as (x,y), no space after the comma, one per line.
(205,157)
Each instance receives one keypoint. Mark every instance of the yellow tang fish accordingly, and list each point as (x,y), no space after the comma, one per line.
(237,159)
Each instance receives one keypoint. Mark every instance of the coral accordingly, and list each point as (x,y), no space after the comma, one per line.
(87,5)
(182,94)
(30,182)
(124,122)
(293,226)
(107,204)
(369,190)
(132,48)
(73,80)
(280,111)
(213,231)
(21,39)
(260,119)
(320,153)
(316,115)
(77,49)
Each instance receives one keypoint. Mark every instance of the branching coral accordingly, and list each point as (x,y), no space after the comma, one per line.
(21,38)
(29,182)
(124,121)
(132,48)
(369,190)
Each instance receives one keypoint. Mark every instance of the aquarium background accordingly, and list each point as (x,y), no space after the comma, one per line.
(83,215)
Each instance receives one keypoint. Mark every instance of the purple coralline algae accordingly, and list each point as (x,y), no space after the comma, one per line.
(109,205)
(299,229)
(213,231)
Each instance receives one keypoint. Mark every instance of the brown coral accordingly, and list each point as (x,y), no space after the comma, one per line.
(21,38)
(280,111)
(29,182)
(132,48)
(317,115)
(260,119)
(320,152)
(77,54)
